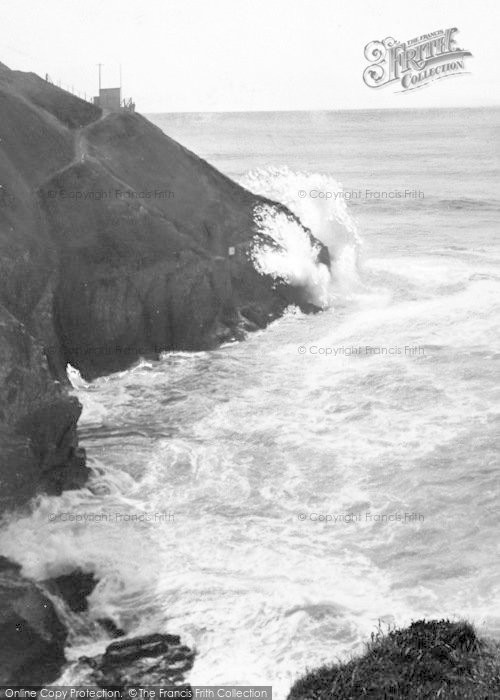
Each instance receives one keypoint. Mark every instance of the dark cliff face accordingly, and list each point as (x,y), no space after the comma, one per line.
(115,239)
(38,438)
(114,243)
(145,246)
(32,635)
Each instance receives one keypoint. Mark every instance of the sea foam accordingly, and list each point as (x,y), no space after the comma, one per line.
(295,257)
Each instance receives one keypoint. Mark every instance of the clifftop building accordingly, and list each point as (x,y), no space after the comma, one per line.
(109,98)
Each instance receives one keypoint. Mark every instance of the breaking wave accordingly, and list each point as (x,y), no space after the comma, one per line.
(294,258)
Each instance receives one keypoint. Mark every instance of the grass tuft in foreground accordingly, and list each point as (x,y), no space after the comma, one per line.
(429,659)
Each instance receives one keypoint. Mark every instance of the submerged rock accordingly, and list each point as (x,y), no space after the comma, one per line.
(32,637)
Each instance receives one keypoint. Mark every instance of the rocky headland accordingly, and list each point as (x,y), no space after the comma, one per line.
(115,242)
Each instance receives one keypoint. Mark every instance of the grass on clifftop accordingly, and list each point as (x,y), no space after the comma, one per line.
(429,659)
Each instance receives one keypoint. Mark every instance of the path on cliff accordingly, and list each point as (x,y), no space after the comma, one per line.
(82,154)
(79,146)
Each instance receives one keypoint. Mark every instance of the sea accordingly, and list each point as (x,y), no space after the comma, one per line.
(277,500)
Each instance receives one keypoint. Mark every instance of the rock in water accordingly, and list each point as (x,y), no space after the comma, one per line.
(32,636)
(73,588)
(155,659)
(110,627)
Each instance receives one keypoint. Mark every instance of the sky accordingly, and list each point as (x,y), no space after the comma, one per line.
(238,55)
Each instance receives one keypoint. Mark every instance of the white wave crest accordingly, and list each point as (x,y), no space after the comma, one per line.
(295,259)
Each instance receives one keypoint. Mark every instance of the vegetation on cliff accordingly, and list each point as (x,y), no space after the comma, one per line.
(428,659)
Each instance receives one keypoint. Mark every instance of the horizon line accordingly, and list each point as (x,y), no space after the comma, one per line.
(308,111)
(495,105)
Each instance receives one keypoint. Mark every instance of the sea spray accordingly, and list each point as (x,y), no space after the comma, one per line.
(284,250)
(295,258)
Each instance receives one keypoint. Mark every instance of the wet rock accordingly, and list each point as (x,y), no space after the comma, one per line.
(110,627)
(38,439)
(73,588)
(155,659)
(31,634)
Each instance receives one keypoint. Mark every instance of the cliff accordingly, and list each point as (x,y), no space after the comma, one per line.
(114,238)
(33,637)
(115,242)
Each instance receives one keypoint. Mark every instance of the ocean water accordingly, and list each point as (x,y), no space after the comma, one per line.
(273,500)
